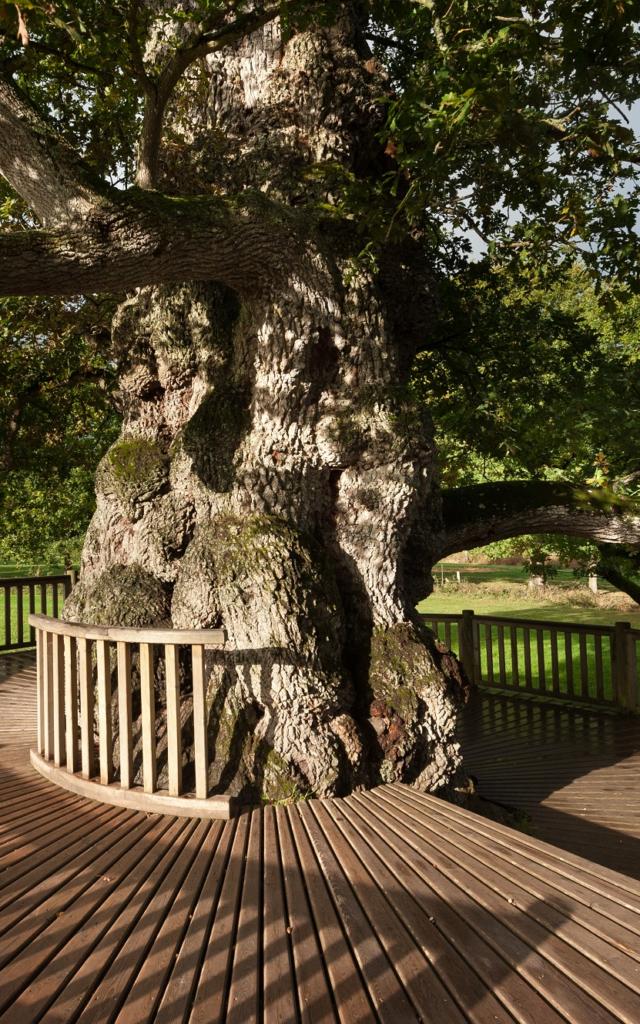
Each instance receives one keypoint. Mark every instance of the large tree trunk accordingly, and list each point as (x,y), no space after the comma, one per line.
(272,475)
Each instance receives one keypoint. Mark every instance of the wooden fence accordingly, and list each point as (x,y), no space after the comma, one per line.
(562,660)
(85,687)
(23,596)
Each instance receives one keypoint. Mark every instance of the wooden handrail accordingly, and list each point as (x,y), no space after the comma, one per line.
(84,686)
(14,581)
(152,635)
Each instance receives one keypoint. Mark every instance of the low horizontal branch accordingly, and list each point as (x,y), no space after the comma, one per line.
(480,514)
(148,239)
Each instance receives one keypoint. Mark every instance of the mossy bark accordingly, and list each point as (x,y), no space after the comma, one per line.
(272,475)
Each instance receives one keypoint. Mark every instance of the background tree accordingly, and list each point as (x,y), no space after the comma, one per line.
(294,201)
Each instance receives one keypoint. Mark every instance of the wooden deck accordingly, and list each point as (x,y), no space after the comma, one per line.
(388,906)
(574,771)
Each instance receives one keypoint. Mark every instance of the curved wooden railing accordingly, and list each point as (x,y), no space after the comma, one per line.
(78,665)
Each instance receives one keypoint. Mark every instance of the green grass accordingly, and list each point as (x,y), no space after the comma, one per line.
(525,607)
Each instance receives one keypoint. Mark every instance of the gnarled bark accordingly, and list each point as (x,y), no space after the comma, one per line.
(272,473)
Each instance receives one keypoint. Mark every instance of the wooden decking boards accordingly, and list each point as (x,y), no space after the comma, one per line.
(385,906)
(576,772)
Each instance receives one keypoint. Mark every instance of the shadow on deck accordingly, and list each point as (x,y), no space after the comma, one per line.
(386,906)
(574,771)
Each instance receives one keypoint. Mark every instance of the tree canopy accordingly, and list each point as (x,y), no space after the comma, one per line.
(56,421)
(507,121)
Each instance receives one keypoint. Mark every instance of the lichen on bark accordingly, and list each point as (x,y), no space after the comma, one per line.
(134,470)
(122,595)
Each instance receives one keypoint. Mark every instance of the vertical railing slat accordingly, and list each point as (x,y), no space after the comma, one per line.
(528,678)
(555,665)
(447,633)
(633,669)
(149,767)
(568,662)
(32,608)
(599,667)
(199,721)
(105,740)
(515,668)
(542,675)
(85,676)
(125,714)
(584,665)
(71,702)
(48,695)
(477,666)
(488,642)
(7,615)
(40,642)
(20,613)
(58,701)
(174,739)
(501,657)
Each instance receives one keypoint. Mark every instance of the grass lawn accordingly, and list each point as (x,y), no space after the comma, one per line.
(524,607)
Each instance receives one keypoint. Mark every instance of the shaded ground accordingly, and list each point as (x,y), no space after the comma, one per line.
(576,773)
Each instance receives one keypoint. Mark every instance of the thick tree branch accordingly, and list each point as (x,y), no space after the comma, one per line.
(40,166)
(150,239)
(477,515)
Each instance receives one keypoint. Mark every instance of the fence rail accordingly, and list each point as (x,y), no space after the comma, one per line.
(91,740)
(562,660)
(22,596)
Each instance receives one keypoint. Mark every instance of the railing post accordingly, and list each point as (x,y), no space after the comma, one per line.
(125,714)
(70,581)
(466,643)
(200,720)
(47,694)
(623,667)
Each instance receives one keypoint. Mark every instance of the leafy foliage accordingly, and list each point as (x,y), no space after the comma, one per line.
(505,119)
(510,119)
(56,420)
(531,382)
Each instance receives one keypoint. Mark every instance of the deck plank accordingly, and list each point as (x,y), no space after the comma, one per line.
(390,905)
